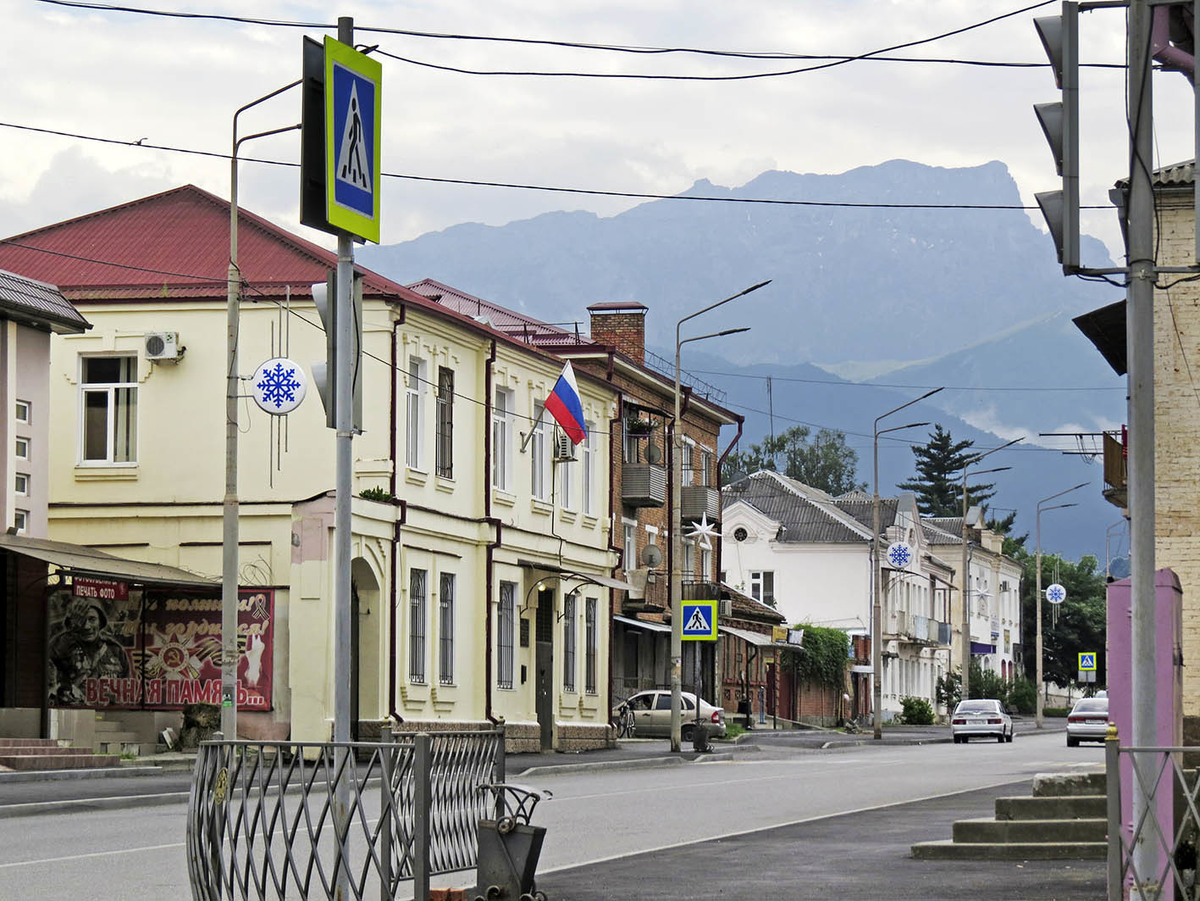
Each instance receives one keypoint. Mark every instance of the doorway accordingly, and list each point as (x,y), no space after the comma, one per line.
(544,639)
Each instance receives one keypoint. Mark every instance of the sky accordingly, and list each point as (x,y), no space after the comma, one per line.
(177,81)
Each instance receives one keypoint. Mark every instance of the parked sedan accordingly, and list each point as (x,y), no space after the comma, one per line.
(652,715)
(983,716)
(1087,721)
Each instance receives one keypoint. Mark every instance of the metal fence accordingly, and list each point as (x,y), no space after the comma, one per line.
(275,820)
(1164,866)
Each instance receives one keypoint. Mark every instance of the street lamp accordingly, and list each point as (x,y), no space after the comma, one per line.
(677,519)
(229,512)
(877,572)
(966,575)
(1038,614)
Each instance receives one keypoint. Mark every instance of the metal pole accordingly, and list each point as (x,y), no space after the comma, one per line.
(422,806)
(229,510)
(966,599)
(344,404)
(1037,649)
(1112,781)
(387,760)
(1140,341)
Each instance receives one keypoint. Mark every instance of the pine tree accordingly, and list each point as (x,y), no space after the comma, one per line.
(938,484)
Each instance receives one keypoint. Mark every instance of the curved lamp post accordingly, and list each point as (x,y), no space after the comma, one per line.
(1041,696)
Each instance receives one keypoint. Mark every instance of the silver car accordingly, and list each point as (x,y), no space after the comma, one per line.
(1087,721)
(981,717)
(652,715)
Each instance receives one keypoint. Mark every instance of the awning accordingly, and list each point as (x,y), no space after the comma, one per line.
(979,647)
(755,638)
(85,561)
(642,624)
(606,581)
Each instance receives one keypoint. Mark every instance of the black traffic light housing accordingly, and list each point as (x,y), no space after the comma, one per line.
(1060,122)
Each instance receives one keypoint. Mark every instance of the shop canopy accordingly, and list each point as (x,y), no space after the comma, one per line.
(77,560)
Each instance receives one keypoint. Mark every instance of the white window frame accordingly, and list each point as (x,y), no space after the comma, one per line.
(20,520)
(689,454)
(418,645)
(502,430)
(539,456)
(757,580)
(414,431)
(21,448)
(447,586)
(589,470)
(506,635)
(23,411)
(689,560)
(706,562)
(109,389)
(570,642)
(21,484)
(591,645)
(706,467)
(629,544)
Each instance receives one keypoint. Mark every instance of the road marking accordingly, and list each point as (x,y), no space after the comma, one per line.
(783,825)
(25,863)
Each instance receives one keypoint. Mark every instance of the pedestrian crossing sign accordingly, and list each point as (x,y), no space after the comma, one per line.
(1087,661)
(699,620)
(353,104)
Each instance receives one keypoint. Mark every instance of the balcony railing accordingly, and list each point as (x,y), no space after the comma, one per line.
(643,484)
(700,500)
(1116,483)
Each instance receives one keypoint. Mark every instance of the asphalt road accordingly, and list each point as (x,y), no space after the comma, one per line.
(745,802)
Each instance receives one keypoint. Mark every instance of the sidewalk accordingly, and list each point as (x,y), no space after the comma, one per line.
(858,855)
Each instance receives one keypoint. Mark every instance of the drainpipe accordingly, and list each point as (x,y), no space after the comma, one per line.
(489,564)
(612,529)
(392,484)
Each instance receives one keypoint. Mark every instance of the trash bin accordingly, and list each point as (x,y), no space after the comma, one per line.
(700,738)
(744,711)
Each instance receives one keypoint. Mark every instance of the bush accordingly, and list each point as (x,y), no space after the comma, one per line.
(1023,696)
(377,494)
(1055,711)
(916,712)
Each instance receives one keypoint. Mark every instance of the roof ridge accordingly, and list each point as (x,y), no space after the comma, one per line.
(825,503)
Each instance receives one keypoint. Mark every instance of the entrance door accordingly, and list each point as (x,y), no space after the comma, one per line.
(545,667)
(354,658)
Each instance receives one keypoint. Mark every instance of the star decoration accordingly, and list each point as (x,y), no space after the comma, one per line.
(703,532)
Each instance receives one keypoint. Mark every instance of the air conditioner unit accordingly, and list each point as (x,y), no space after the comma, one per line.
(163,346)
(725,607)
(564,449)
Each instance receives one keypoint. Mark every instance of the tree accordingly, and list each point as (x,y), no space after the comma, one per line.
(1082,618)
(823,462)
(1004,527)
(938,462)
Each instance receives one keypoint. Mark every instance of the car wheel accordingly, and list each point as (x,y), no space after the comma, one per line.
(1000,737)
(686,733)
(1072,742)
(1011,732)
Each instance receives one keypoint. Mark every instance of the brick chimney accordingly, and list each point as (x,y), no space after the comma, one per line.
(621,325)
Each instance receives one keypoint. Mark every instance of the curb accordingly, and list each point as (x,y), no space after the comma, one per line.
(112,772)
(126,802)
(568,768)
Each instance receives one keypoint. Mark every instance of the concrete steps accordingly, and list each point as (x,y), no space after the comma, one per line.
(1065,819)
(36,754)
(112,737)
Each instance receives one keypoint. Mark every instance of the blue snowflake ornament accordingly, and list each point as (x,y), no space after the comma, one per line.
(1056,594)
(279,386)
(899,555)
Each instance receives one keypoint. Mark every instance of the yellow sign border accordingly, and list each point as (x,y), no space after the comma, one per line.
(712,608)
(1087,669)
(336,215)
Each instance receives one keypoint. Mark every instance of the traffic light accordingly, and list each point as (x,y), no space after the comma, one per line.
(324,373)
(1060,122)
(312,139)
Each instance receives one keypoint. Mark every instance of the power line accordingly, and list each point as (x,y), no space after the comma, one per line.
(553,189)
(840,383)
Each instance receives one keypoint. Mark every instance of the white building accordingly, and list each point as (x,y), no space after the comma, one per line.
(810,555)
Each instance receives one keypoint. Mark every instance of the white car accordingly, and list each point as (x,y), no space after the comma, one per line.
(652,715)
(980,717)
(1087,721)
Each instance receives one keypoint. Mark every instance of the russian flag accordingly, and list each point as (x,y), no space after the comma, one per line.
(566,407)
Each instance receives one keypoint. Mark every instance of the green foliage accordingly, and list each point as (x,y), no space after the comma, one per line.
(826,653)
(732,731)
(1055,711)
(939,461)
(916,712)
(1082,617)
(948,690)
(1017,693)
(377,494)
(824,462)
(1023,696)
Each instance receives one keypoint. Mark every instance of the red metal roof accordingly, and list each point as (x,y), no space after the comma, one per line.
(173,244)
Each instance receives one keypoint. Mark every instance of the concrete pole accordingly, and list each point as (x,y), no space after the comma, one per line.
(229,510)
(1041,692)
(676,571)
(876,606)
(1140,342)
(965,662)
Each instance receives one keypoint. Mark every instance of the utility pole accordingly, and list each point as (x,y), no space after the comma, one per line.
(1140,343)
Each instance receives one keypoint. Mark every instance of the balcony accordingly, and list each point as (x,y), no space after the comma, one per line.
(698,501)
(643,484)
(1116,484)
(944,634)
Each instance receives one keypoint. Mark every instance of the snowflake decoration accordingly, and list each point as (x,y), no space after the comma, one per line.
(703,533)
(1056,594)
(279,386)
(899,555)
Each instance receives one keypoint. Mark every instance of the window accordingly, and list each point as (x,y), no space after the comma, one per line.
(504,635)
(687,455)
(689,560)
(502,439)
(21,520)
(416,625)
(566,485)
(446,629)
(569,642)
(445,423)
(589,463)
(705,564)
(630,546)
(591,640)
(539,455)
(23,411)
(762,586)
(108,404)
(704,472)
(22,449)
(415,432)
(22,483)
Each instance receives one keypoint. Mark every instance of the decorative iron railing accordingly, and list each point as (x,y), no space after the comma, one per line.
(1152,852)
(275,820)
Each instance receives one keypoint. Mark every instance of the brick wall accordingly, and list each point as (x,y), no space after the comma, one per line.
(625,330)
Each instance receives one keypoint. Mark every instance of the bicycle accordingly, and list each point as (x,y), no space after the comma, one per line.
(625,724)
